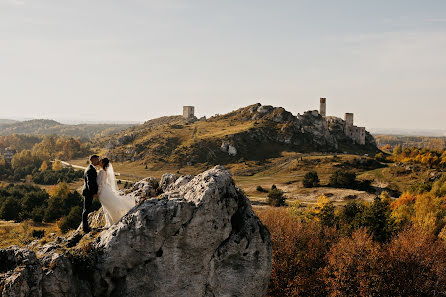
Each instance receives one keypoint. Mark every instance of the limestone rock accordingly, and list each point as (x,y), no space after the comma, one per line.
(199,238)
(166,180)
(145,188)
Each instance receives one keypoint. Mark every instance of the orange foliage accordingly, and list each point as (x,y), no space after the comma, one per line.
(414,264)
(353,266)
(405,199)
(298,254)
(309,260)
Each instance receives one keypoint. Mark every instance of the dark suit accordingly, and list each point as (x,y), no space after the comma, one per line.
(90,189)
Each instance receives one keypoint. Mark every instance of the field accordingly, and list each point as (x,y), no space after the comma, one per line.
(12,233)
(286,172)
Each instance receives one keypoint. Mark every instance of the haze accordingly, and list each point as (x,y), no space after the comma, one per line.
(135,60)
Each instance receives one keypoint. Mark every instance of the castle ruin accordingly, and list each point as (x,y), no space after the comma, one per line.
(357,134)
(188,112)
(323,108)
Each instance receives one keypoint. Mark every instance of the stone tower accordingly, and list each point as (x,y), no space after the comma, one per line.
(348,119)
(357,134)
(348,125)
(188,112)
(323,109)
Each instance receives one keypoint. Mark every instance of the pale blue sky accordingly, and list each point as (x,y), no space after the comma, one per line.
(135,60)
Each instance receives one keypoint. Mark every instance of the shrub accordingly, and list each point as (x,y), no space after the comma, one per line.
(380,157)
(72,220)
(260,189)
(276,198)
(38,233)
(311,179)
(343,179)
(10,209)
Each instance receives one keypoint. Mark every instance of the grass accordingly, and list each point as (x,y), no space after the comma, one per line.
(12,233)
(285,171)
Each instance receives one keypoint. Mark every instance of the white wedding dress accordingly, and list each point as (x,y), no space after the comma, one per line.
(114,205)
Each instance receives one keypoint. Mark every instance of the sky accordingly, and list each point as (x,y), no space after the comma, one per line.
(133,60)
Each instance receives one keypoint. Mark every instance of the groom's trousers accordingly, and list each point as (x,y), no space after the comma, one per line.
(88,200)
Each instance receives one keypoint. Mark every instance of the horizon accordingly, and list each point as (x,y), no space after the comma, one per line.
(130,62)
(373,130)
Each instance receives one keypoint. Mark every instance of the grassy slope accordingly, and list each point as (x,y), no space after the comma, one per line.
(21,233)
(286,172)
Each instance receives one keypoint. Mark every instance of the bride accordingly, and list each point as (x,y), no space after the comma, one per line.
(114,205)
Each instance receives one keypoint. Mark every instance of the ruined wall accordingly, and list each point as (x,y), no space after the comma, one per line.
(323,108)
(357,134)
(188,112)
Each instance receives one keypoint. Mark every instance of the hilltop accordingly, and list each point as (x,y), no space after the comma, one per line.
(256,132)
(49,127)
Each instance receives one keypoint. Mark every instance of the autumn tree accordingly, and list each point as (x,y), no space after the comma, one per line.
(414,264)
(44,166)
(325,211)
(57,165)
(353,266)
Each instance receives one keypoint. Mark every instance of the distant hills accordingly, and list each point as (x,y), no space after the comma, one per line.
(410,132)
(255,132)
(49,127)
(6,121)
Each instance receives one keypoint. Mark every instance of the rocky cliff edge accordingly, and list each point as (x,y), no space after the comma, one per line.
(199,237)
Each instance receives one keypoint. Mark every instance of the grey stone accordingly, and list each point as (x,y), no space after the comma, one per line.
(200,238)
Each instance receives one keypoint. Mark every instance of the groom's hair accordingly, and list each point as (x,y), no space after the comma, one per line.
(94,157)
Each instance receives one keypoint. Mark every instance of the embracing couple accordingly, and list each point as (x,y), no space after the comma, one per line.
(102,184)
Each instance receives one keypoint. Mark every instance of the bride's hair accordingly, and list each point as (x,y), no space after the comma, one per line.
(105,163)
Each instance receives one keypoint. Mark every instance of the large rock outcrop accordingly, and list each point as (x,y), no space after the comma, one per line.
(199,238)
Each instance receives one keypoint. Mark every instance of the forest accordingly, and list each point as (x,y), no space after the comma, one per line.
(383,248)
(33,157)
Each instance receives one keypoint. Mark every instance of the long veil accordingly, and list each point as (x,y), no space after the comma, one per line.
(111,180)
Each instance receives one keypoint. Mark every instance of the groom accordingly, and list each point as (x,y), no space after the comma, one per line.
(90,190)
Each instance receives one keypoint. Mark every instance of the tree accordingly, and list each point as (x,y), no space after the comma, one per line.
(2,163)
(33,206)
(414,264)
(10,209)
(439,187)
(276,198)
(44,166)
(311,179)
(378,220)
(353,265)
(380,157)
(325,211)
(60,190)
(57,165)
(351,216)
(61,201)
(72,220)
(397,150)
(343,179)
